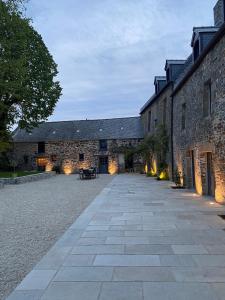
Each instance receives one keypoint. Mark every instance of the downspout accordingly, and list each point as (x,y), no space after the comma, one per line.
(171,135)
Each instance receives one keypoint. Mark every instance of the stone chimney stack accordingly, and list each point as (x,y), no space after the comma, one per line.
(219,13)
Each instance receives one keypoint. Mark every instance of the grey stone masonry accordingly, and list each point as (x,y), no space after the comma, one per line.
(159,113)
(138,240)
(28,178)
(199,144)
(219,13)
(66,155)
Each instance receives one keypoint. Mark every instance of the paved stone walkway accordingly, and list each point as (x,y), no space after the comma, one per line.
(138,240)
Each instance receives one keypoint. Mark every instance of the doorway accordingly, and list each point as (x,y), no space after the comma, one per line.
(103,164)
(210,175)
(129,163)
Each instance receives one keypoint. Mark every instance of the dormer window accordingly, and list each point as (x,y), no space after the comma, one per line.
(201,38)
(196,50)
(160,83)
(168,75)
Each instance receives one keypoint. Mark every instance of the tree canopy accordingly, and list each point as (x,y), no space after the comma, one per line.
(28,89)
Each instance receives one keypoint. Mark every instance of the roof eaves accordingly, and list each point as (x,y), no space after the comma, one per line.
(174,62)
(154,98)
(195,66)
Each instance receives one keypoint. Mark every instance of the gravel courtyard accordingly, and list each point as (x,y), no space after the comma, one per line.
(33,216)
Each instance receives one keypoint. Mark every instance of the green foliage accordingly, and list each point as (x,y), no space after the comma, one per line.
(16,6)
(156,145)
(28,91)
(150,174)
(147,149)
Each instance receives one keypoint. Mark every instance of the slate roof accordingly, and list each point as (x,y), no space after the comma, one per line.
(187,66)
(120,128)
(153,98)
(206,29)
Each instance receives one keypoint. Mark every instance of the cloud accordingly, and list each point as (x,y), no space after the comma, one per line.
(108,51)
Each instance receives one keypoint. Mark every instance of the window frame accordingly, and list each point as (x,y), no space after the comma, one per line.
(103,145)
(183,116)
(41,147)
(207,99)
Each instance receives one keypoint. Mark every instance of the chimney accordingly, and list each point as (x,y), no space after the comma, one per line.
(219,13)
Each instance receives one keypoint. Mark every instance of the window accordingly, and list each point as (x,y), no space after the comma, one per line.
(41,147)
(26,159)
(164,111)
(183,116)
(156,122)
(207,99)
(103,145)
(81,157)
(149,120)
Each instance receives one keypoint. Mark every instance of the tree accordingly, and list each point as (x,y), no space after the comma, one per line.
(146,149)
(28,90)
(16,6)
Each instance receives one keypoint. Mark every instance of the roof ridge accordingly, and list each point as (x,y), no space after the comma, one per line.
(85,120)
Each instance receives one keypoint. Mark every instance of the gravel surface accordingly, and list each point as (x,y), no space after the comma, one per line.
(33,216)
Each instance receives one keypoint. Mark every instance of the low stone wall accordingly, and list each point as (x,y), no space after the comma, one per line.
(24,179)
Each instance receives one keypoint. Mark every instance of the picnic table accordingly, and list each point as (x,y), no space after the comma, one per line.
(90,173)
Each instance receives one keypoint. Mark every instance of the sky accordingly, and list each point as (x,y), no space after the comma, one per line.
(108,51)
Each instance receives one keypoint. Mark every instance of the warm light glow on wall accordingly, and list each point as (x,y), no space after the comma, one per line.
(48,167)
(154,167)
(146,169)
(113,168)
(84,165)
(198,178)
(42,162)
(220,194)
(163,175)
(68,169)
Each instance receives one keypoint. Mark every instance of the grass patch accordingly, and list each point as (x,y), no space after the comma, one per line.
(17,174)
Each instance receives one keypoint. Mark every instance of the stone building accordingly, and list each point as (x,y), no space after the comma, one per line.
(199,107)
(157,110)
(73,145)
(195,97)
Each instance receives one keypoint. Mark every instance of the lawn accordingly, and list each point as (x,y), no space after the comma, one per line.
(17,174)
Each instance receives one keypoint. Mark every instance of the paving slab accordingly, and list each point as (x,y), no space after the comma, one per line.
(121,291)
(72,290)
(178,291)
(84,274)
(138,240)
(127,260)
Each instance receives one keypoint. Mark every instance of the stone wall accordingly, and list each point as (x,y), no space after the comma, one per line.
(157,119)
(202,135)
(25,179)
(23,150)
(66,155)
